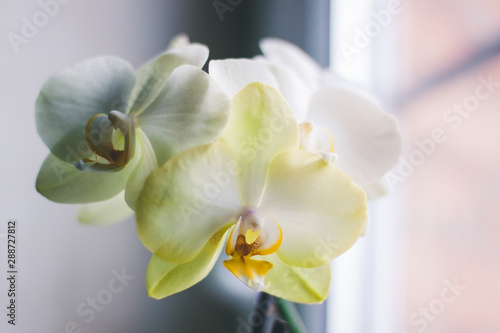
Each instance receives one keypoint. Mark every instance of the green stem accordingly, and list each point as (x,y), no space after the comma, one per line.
(292,316)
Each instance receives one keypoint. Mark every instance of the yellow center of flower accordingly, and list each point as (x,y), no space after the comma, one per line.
(251,236)
(100,135)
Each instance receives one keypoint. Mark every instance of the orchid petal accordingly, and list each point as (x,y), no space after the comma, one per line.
(377,189)
(178,41)
(288,55)
(151,78)
(367,139)
(235,74)
(164,278)
(329,78)
(63,182)
(192,110)
(301,285)
(105,212)
(261,126)
(293,89)
(144,167)
(190,198)
(320,210)
(68,100)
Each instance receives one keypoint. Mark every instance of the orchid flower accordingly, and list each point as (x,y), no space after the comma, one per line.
(107,127)
(336,121)
(285,212)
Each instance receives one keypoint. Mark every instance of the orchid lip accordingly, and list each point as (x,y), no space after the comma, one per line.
(100,139)
(252,235)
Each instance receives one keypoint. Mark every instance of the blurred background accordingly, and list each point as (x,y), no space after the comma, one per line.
(431,259)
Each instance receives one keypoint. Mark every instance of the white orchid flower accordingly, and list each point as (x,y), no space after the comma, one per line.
(107,127)
(336,121)
(287,212)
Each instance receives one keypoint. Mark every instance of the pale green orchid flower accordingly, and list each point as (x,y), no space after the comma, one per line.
(107,127)
(285,211)
(336,120)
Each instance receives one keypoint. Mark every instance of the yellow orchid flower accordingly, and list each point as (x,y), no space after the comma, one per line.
(285,212)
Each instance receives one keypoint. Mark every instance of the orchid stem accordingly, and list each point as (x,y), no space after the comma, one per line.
(292,316)
(270,307)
